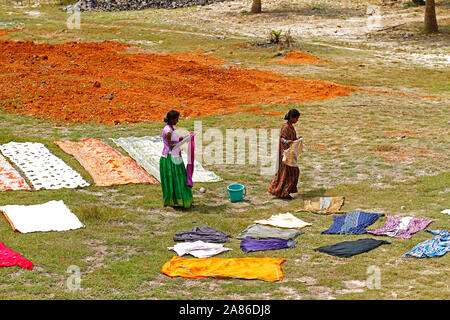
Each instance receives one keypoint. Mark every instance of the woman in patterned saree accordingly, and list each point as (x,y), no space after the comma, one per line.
(176,192)
(286,177)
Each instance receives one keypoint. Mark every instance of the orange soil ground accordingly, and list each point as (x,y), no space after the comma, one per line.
(82,82)
(295,57)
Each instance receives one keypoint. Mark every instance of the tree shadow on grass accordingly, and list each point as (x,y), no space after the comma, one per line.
(312,193)
(203,208)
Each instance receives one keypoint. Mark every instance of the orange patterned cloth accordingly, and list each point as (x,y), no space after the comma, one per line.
(105,164)
(10,179)
(245,268)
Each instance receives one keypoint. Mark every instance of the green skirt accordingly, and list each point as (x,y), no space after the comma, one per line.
(176,192)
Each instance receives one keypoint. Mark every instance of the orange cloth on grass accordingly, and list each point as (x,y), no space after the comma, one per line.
(10,179)
(247,268)
(106,165)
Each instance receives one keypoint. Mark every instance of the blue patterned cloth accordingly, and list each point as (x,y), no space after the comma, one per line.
(434,247)
(352,223)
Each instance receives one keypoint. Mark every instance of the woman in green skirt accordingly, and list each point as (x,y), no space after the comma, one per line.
(176,192)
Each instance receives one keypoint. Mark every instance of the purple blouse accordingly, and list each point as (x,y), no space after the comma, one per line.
(176,152)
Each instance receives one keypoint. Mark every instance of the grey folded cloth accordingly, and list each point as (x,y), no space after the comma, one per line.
(203,233)
(259,231)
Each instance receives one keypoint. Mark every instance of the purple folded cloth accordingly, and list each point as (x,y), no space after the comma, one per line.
(249,244)
(401,227)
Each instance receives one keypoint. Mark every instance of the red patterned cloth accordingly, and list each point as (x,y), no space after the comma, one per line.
(10,258)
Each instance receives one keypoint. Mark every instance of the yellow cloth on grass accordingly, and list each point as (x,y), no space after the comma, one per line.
(284,220)
(247,268)
(324,205)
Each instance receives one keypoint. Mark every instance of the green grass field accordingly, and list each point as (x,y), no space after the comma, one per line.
(353,147)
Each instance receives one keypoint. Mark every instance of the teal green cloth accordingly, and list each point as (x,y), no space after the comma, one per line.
(176,192)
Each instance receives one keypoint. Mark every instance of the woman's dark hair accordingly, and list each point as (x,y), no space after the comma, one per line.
(293,113)
(172,114)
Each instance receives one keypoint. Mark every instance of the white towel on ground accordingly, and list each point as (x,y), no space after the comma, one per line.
(284,220)
(198,249)
(50,216)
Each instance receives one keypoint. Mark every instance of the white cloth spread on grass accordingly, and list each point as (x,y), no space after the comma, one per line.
(198,249)
(42,168)
(284,220)
(147,151)
(50,216)
(446,211)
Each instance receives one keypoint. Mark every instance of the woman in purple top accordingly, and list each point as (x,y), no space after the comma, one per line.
(176,192)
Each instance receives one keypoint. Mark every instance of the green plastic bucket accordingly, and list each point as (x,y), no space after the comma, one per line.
(236,192)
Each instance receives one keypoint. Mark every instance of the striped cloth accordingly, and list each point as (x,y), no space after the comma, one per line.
(286,177)
(352,223)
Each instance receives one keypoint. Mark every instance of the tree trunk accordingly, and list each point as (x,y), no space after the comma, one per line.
(430,17)
(256,6)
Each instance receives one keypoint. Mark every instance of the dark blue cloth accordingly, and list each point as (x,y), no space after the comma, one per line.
(347,249)
(250,244)
(352,223)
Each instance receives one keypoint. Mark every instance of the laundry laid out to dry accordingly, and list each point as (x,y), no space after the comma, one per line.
(323,205)
(10,179)
(42,168)
(265,268)
(105,164)
(50,216)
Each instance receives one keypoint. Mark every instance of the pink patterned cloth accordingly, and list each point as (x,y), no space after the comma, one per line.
(10,258)
(401,227)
